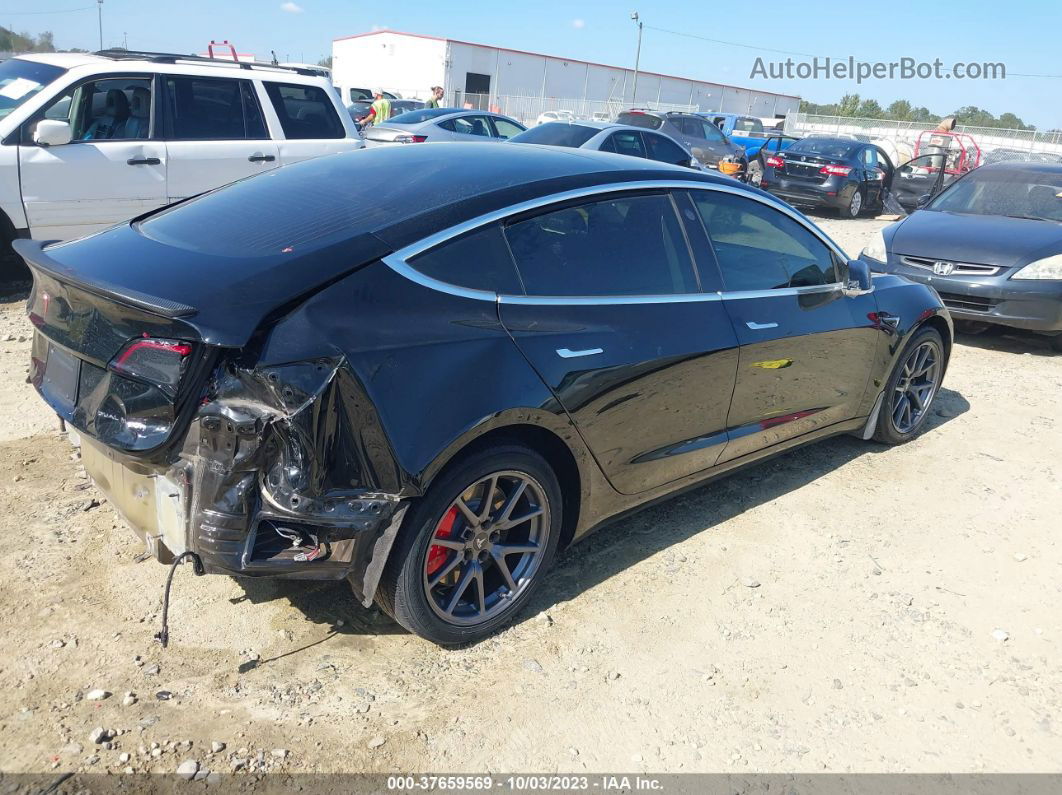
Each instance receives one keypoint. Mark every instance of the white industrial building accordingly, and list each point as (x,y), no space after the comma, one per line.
(523,84)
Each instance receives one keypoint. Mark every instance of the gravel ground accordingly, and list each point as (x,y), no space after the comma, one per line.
(844,607)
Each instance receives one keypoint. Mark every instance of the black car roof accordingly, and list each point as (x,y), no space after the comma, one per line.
(236,253)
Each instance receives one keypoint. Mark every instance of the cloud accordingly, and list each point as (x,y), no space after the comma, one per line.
(578,24)
(291,8)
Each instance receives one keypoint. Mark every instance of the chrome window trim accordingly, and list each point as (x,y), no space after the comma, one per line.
(398,261)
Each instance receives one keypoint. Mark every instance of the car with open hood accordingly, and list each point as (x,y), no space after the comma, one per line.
(337,370)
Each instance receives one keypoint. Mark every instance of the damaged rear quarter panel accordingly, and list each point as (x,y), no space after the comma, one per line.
(348,407)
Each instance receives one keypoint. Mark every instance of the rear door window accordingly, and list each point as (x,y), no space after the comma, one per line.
(760,248)
(305,112)
(211,109)
(629,245)
(479,260)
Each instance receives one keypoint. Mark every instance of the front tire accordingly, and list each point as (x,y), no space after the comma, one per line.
(472,550)
(911,388)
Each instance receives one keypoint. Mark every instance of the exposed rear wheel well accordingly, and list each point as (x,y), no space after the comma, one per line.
(549,446)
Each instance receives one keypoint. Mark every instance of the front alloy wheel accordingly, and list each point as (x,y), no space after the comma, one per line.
(472,550)
(911,388)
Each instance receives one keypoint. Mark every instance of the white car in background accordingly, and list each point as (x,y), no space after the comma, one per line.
(555,115)
(92,140)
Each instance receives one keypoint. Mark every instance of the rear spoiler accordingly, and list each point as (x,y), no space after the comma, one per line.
(32,251)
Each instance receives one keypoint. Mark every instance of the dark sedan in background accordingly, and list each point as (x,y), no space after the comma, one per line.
(425,369)
(990,244)
(836,173)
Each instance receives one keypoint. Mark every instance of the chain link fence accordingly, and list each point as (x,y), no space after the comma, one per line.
(527,109)
(996,144)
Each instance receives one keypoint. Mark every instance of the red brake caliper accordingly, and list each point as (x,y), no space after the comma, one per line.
(437,554)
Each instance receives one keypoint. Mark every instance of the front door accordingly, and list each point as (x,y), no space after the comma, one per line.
(617,325)
(111,170)
(806,348)
(215,133)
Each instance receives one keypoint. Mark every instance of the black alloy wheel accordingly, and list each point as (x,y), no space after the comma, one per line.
(473,549)
(911,389)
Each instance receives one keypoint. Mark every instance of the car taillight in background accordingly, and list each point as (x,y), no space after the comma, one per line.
(835,171)
(159,362)
(775,162)
(410,139)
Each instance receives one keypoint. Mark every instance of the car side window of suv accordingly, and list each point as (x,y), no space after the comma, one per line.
(711,132)
(626,245)
(760,248)
(110,109)
(305,112)
(479,260)
(212,109)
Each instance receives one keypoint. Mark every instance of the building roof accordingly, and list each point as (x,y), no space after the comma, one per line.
(557,58)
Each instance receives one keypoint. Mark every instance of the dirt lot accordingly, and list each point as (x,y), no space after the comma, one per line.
(906,618)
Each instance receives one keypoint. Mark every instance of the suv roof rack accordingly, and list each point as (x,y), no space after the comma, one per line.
(172,57)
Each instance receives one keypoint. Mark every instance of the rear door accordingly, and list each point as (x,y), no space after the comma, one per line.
(806,348)
(309,125)
(618,326)
(215,133)
(114,167)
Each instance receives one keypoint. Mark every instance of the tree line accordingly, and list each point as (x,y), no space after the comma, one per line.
(852,105)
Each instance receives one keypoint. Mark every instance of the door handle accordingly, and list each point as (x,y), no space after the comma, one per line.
(143,161)
(567,353)
(257,158)
(752,324)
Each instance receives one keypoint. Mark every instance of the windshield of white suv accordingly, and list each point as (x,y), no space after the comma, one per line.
(20,80)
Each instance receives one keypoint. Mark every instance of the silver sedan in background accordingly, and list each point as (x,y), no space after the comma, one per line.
(607,136)
(442,124)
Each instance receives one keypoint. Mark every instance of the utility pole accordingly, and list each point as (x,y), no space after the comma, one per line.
(99,12)
(637,56)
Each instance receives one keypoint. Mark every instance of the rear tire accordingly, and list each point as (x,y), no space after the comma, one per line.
(911,389)
(855,205)
(473,596)
(1056,343)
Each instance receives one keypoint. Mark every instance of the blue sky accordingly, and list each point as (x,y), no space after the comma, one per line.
(1023,34)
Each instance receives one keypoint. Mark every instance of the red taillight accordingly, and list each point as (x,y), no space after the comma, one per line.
(835,171)
(775,162)
(410,139)
(159,362)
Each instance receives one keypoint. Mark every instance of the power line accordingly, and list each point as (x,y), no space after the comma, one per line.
(802,54)
(34,13)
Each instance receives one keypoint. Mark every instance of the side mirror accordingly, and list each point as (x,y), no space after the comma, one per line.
(858,280)
(923,200)
(52,132)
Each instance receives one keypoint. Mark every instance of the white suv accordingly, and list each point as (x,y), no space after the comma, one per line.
(87,141)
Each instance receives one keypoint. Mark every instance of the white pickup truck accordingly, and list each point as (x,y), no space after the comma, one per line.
(87,141)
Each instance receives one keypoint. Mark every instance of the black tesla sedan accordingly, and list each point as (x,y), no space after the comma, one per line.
(991,245)
(429,384)
(834,173)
